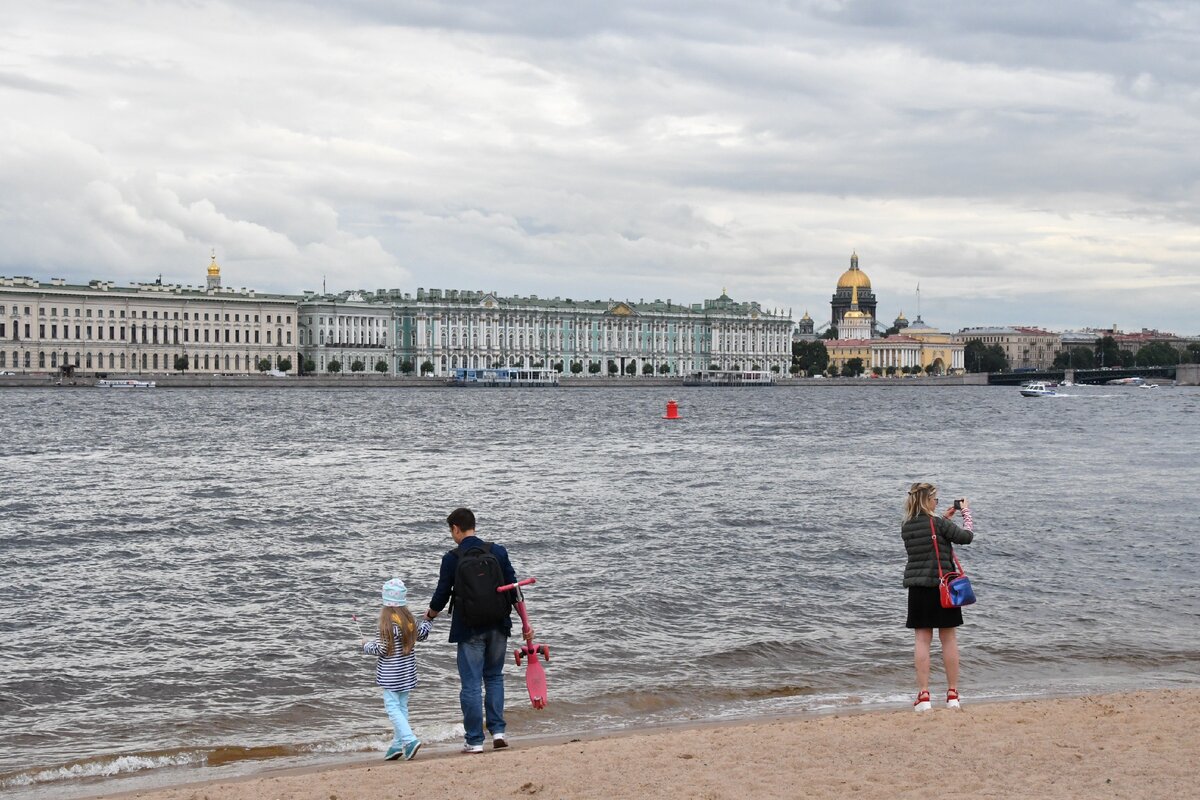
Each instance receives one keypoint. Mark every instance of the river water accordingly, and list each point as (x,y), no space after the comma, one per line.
(181,567)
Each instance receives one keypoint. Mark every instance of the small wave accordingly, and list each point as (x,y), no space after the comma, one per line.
(111,766)
(213,491)
(101,767)
(768,652)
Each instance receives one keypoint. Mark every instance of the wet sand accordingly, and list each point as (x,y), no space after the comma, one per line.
(1132,745)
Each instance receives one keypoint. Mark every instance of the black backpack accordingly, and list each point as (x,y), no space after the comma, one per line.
(476,578)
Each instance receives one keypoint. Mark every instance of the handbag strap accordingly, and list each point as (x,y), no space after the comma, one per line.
(938,553)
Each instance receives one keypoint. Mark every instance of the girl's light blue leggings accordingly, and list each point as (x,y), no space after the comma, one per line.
(396,704)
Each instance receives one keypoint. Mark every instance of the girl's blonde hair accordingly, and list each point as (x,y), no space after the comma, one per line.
(402,618)
(920,500)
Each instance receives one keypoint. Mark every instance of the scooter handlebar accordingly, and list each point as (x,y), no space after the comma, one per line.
(511,586)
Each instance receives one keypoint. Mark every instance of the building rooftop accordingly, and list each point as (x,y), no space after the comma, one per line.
(465,297)
(59,285)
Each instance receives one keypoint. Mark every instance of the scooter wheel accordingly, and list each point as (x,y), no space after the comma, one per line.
(545,651)
(517,655)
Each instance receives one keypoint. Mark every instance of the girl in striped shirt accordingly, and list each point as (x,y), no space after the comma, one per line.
(396,669)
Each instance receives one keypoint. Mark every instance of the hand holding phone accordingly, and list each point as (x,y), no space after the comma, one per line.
(958,504)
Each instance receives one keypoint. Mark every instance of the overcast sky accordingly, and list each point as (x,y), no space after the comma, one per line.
(1026,162)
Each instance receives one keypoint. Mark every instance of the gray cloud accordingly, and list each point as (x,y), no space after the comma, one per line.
(655,149)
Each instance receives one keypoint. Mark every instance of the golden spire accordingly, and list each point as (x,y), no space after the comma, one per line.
(854,312)
(214,269)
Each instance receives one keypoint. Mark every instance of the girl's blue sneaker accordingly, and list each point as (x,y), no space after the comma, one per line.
(411,749)
(394,752)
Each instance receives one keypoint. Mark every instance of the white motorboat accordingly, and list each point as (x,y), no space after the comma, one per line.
(124,384)
(729,377)
(1037,389)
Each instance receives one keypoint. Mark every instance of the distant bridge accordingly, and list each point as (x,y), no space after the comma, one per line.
(1093,376)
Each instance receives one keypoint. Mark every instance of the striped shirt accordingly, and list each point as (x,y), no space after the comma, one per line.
(397,673)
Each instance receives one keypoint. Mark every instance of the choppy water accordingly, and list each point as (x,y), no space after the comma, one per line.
(180,567)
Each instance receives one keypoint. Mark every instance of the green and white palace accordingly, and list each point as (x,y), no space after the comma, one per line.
(436,331)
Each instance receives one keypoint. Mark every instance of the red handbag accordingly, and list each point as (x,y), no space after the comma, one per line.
(954,588)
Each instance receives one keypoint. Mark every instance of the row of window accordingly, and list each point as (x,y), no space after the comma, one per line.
(485,362)
(149,334)
(118,361)
(187,315)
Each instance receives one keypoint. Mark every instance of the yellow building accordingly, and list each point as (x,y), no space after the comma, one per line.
(842,351)
(937,349)
(920,347)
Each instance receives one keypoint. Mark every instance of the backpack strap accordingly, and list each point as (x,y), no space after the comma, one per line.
(459,552)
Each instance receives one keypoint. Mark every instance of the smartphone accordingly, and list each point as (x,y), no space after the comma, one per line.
(958,504)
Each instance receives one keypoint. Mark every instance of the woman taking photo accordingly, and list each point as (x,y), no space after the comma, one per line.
(925,610)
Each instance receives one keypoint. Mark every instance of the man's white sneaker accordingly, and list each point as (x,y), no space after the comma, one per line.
(471,749)
(498,741)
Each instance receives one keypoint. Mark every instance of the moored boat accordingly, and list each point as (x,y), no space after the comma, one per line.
(515,377)
(730,377)
(128,383)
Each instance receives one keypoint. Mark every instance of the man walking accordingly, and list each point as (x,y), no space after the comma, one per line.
(480,625)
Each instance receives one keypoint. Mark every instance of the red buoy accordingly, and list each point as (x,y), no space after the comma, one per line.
(672,410)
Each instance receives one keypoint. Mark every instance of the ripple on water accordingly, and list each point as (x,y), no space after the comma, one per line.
(185,565)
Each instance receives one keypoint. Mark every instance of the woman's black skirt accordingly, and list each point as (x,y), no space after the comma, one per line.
(925,610)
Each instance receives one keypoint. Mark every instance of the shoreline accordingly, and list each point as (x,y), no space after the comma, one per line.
(391,382)
(1125,744)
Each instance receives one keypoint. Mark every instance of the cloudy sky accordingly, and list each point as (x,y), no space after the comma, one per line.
(1027,162)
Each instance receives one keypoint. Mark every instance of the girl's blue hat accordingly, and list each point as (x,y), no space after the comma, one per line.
(395,593)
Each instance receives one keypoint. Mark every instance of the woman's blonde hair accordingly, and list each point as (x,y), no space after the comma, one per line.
(401,618)
(920,500)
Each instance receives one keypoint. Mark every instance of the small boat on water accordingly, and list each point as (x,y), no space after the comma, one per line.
(1135,381)
(730,377)
(1037,389)
(124,384)
(513,377)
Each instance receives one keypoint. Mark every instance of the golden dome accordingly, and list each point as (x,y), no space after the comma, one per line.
(214,269)
(854,277)
(806,316)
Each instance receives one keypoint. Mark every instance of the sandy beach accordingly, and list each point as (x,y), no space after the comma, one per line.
(1134,745)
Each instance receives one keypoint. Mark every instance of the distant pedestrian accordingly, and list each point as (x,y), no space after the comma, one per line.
(480,624)
(925,610)
(396,669)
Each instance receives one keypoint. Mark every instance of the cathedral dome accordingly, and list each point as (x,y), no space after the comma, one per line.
(854,277)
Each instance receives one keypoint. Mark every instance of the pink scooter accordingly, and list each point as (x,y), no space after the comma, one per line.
(535,676)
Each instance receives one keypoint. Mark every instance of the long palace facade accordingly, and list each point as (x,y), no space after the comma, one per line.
(439,331)
(149,328)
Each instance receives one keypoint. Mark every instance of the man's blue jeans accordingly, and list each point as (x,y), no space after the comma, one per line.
(481,667)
